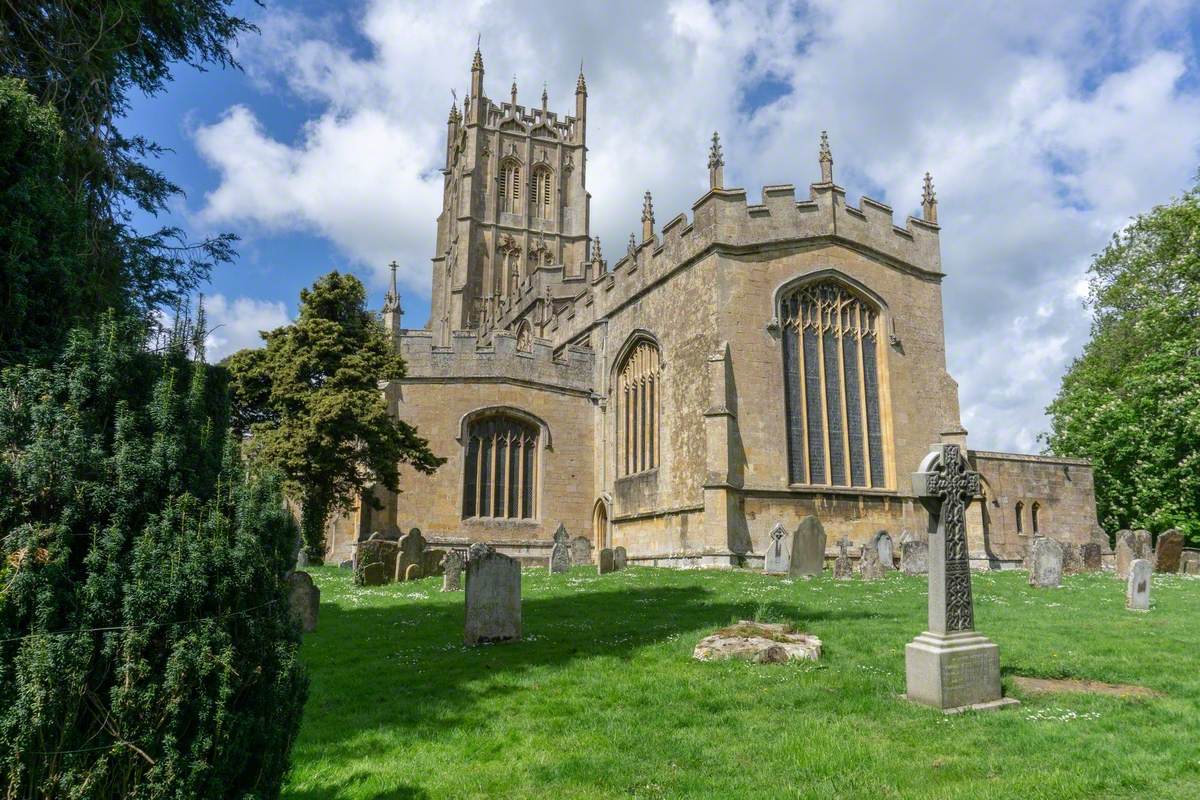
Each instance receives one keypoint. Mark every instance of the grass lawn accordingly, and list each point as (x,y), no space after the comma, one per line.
(603,699)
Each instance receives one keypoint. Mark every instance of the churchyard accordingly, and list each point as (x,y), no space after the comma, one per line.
(601,697)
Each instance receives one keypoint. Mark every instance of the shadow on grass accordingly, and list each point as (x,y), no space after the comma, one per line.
(341,788)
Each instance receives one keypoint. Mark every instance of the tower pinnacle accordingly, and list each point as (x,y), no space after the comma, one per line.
(477,73)
(716,164)
(514,91)
(545,100)
(929,201)
(826,159)
(581,84)
(647,218)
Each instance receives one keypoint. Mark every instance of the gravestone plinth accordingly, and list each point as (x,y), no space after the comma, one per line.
(1137,588)
(808,549)
(493,597)
(950,666)
(779,551)
(560,551)
(1168,551)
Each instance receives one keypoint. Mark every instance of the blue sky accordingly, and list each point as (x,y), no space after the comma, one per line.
(1045,128)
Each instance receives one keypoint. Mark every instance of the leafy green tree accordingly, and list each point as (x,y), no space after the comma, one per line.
(146,644)
(311,402)
(1131,402)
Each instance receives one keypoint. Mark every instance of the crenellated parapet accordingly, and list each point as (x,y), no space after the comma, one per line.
(508,357)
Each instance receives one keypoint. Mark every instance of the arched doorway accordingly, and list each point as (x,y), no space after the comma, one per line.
(600,525)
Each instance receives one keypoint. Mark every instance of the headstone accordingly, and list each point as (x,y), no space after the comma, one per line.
(869,565)
(1045,563)
(347,564)
(1144,545)
(883,546)
(950,666)
(1137,588)
(808,549)
(411,550)
(581,550)
(304,599)
(604,564)
(431,562)
(843,567)
(1091,557)
(620,558)
(374,575)
(378,549)
(493,597)
(779,551)
(452,567)
(1126,550)
(1189,562)
(412,572)
(560,551)
(914,557)
(1072,561)
(1168,551)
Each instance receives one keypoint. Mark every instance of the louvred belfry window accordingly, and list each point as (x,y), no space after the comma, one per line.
(500,469)
(831,356)
(542,201)
(638,401)
(510,187)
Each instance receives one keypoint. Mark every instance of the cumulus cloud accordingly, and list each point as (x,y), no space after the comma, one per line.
(234,324)
(1045,129)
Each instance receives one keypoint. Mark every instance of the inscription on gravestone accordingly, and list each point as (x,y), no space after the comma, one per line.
(779,551)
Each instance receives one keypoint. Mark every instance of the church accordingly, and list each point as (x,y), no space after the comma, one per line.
(742,366)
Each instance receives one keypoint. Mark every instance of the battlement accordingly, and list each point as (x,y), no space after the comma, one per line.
(501,360)
(518,118)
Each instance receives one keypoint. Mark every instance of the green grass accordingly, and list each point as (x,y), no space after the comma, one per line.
(603,699)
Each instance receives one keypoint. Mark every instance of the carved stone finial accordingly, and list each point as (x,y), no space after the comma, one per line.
(581,84)
(929,201)
(477,63)
(716,164)
(647,218)
(514,91)
(632,245)
(596,254)
(826,159)
(391,300)
(545,99)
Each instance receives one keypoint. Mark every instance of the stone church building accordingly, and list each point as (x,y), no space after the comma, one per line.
(745,365)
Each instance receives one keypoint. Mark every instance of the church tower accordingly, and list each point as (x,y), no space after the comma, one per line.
(514,202)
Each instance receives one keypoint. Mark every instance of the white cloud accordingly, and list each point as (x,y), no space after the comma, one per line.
(235,324)
(1045,128)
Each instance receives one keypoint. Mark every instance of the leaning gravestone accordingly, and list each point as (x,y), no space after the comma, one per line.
(808,549)
(869,565)
(1126,552)
(581,550)
(914,557)
(620,558)
(560,551)
(1091,556)
(1168,551)
(1137,589)
(950,666)
(493,597)
(779,551)
(411,551)
(373,574)
(452,567)
(883,546)
(843,567)
(1045,563)
(604,564)
(304,599)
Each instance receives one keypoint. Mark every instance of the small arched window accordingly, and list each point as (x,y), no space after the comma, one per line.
(500,468)
(1019,512)
(638,401)
(1033,516)
(542,194)
(510,187)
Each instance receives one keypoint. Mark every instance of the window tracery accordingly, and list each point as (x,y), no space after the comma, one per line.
(500,468)
(542,194)
(638,401)
(510,187)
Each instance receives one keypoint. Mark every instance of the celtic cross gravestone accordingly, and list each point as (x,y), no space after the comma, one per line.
(950,666)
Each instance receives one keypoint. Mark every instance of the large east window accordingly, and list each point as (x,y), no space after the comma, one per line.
(638,392)
(831,356)
(500,469)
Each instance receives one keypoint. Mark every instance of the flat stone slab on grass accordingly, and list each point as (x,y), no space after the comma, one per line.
(1048,685)
(760,643)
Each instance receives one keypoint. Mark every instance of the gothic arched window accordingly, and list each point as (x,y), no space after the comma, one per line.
(1019,512)
(638,401)
(542,194)
(510,187)
(500,468)
(831,356)
(1033,516)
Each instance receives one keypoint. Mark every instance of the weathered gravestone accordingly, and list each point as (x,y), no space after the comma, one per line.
(431,562)
(373,574)
(950,666)
(620,558)
(1168,551)
(1072,563)
(1137,588)
(1045,563)
(869,565)
(843,567)
(808,549)
(1189,563)
(452,567)
(914,557)
(411,550)
(906,536)
(347,564)
(1144,546)
(560,551)
(604,563)
(304,599)
(779,551)
(1126,552)
(493,597)
(581,550)
(883,546)
(377,549)
(412,572)
(1091,556)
